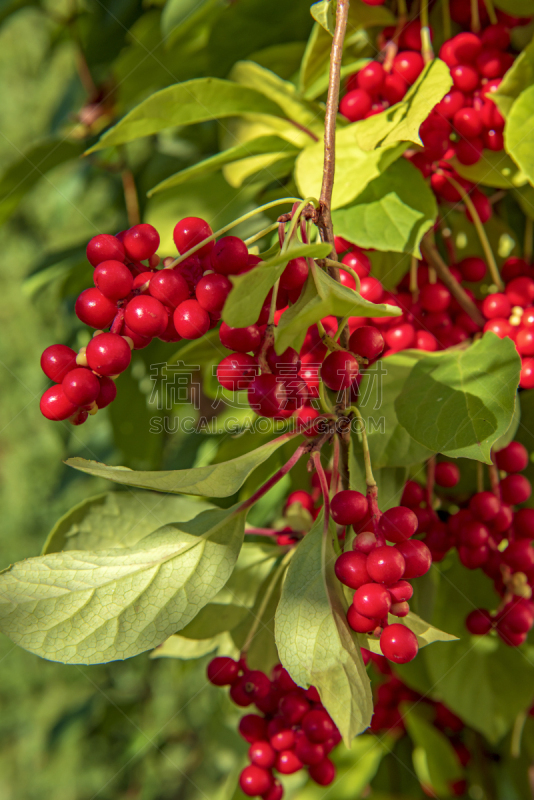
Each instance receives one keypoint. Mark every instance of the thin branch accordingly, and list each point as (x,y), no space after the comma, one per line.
(430,252)
(131,199)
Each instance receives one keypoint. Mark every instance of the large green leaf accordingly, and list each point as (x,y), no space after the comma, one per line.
(186,103)
(389,268)
(249,291)
(22,175)
(177,646)
(314,640)
(459,402)
(519,8)
(215,480)
(518,78)
(390,444)
(355,167)
(493,169)
(401,122)
(519,132)
(323,296)
(263,144)
(89,607)
(392,213)
(118,519)
(435,761)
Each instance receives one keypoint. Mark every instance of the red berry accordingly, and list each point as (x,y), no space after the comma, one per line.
(57,360)
(465,78)
(394,88)
(479,622)
(141,242)
(496,305)
(146,316)
(426,341)
(262,755)
(401,591)
(351,569)
(113,279)
(169,287)
(267,396)
(107,393)
(472,268)
(371,289)
(447,474)
(295,274)
(512,458)
(242,340)
(466,47)
(288,762)
(255,780)
(484,505)
(367,341)
(519,555)
(520,291)
(108,354)
(308,752)
(474,534)
(500,327)
(318,726)
(413,494)
(54,404)
(276,792)
(190,320)
(348,507)
(398,524)
(408,66)
(400,337)
(371,77)
(468,123)
(515,489)
(358,261)
(211,292)
(229,256)
(284,739)
(81,386)
(435,297)
(526,380)
(323,773)
(339,370)
(292,706)
(104,248)
(252,727)
(359,623)
(94,309)
(222,671)
(524,523)
(372,601)
(355,105)
(417,557)
(385,564)
(236,371)
(189,232)
(398,643)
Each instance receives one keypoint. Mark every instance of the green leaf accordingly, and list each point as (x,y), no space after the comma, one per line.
(314,641)
(321,297)
(518,78)
(389,268)
(519,132)
(215,480)
(425,632)
(392,213)
(181,647)
(89,607)
(274,145)
(118,519)
(362,15)
(324,13)
(459,402)
(177,12)
(519,8)
(508,436)
(22,175)
(249,291)
(435,761)
(401,122)
(355,167)
(390,444)
(187,103)
(389,480)
(493,169)
(320,84)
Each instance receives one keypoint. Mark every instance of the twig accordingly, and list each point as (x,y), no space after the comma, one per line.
(433,257)
(275,478)
(131,199)
(316,458)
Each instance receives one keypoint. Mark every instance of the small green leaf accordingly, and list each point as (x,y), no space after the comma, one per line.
(244,303)
(314,641)
(177,646)
(118,519)
(508,436)
(324,13)
(518,78)
(178,12)
(459,402)
(401,122)
(90,607)
(425,632)
(187,103)
(519,8)
(215,480)
(322,296)
(392,213)
(519,132)
(435,761)
(493,169)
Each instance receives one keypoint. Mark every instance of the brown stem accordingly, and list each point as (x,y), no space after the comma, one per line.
(130,197)
(303,128)
(316,458)
(433,257)
(494,480)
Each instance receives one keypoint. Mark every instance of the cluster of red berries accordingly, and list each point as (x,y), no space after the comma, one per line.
(380,573)
(293,731)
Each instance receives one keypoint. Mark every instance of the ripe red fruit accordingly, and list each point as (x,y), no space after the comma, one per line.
(351,569)
(284,739)
(413,494)
(81,386)
(367,341)
(468,123)
(519,555)
(318,726)
(398,524)
(292,706)
(524,523)
(229,256)
(107,393)
(189,232)
(435,297)
(472,268)
(339,370)
(57,360)
(400,337)
(104,248)
(222,671)
(512,458)
(242,340)
(398,643)
(355,105)
(348,507)
(515,489)
(359,623)
(446,474)
(288,762)
(267,396)
(255,780)
(372,601)
(385,565)
(108,354)
(141,242)
(55,405)
(236,371)
(526,380)
(146,316)
(357,260)
(473,534)
(94,309)
(276,792)
(417,557)
(169,287)
(295,274)
(325,772)
(371,289)
(252,727)
(113,279)
(309,752)
(484,505)
(262,755)
(371,77)
(496,305)
(520,291)
(191,320)
(465,78)
(400,591)
(479,622)
(211,292)
(408,66)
